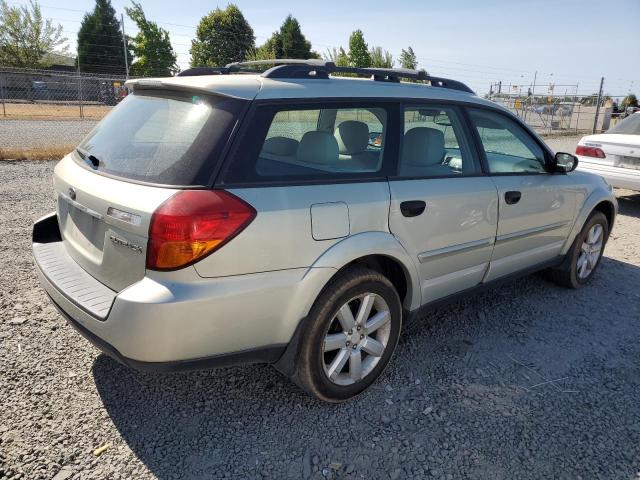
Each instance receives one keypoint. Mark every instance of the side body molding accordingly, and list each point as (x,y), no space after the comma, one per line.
(374,243)
(598,195)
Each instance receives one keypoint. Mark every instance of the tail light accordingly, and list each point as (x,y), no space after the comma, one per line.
(192,224)
(590,151)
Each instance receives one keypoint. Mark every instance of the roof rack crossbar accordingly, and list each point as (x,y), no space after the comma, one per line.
(318,69)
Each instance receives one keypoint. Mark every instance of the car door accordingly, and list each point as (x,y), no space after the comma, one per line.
(536,208)
(443,209)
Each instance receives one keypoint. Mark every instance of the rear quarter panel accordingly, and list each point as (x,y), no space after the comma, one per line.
(281,237)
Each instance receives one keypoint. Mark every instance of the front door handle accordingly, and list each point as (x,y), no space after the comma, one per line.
(412,208)
(512,197)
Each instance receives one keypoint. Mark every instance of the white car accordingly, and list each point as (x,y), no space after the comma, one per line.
(615,155)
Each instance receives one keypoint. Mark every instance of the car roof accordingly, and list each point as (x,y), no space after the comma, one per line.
(250,86)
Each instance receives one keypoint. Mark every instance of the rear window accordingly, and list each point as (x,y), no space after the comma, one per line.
(162,137)
(307,143)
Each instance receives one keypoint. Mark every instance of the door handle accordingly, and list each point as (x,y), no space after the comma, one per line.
(412,208)
(512,197)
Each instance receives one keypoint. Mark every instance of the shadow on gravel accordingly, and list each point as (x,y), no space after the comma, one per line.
(456,399)
(629,205)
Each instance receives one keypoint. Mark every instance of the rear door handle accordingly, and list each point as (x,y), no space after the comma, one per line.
(512,197)
(412,208)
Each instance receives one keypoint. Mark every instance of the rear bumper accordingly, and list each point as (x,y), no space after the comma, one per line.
(616,176)
(178,320)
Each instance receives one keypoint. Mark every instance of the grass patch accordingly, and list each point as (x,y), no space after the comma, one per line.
(42,153)
(51,111)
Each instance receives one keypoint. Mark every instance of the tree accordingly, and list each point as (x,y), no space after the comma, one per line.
(337,56)
(380,58)
(151,46)
(629,101)
(222,36)
(289,42)
(26,39)
(100,42)
(358,51)
(408,59)
(265,52)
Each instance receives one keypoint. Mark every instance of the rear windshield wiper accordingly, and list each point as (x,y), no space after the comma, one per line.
(92,160)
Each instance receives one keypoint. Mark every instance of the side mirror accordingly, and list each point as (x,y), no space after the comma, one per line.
(565,162)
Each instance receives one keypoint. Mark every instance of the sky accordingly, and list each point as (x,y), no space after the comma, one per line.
(567,42)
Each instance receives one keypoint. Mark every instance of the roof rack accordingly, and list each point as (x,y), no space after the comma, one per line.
(321,69)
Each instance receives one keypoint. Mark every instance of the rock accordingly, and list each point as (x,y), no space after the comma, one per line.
(63,474)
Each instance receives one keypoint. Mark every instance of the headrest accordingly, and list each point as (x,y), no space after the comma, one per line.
(280,146)
(423,146)
(352,137)
(318,147)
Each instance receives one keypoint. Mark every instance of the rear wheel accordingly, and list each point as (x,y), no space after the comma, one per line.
(584,256)
(349,336)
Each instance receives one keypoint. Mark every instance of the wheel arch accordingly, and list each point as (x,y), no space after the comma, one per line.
(601,200)
(609,211)
(379,251)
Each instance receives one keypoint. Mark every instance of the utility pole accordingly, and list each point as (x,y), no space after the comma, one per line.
(595,119)
(80,88)
(124,45)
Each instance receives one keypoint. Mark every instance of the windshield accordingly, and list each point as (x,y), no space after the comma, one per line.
(163,137)
(628,126)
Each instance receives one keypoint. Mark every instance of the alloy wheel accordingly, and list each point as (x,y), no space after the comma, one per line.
(590,251)
(356,339)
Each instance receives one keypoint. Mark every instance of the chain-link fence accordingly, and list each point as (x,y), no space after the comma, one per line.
(45,113)
(558,109)
(49,112)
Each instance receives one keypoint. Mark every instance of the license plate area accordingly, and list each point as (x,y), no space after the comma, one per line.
(82,229)
(629,162)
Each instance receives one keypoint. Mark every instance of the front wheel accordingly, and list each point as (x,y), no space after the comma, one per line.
(584,256)
(349,336)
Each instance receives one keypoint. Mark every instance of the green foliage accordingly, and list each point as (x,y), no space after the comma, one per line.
(265,52)
(380,58)
(151,47)
(337,56)
(358,50)
(629,101)
(222,36)
(289,42)
(100,45)
(26,39)
(408,59)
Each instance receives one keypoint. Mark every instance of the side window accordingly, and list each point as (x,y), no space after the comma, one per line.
(434,144)
(369,117)
(293,124)
(305,144)
(508,147)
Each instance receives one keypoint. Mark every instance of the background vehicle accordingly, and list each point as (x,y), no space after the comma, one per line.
(212,219)
(615,155)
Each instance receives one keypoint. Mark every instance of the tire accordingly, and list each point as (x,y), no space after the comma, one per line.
(317,367)
(572,273)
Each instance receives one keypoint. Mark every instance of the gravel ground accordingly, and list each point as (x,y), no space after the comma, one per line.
(43,133)
(526,381)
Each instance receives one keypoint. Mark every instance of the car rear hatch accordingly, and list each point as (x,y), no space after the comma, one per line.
(104,222)
(155,143)
(620,150)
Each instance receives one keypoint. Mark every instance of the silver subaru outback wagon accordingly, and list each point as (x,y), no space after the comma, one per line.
(294,217)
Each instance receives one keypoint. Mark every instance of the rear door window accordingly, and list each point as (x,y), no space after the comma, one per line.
(434,144)
(311,142)
(162,137)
